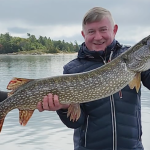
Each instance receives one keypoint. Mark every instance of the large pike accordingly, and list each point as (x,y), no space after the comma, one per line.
(80,87)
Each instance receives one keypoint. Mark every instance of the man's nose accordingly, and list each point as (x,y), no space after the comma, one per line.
(98,35)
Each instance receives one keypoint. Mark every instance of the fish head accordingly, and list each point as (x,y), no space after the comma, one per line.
(138,57)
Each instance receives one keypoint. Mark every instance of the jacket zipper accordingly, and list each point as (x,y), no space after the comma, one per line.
(87,122)
(113,114)
(139,137)
(113,122)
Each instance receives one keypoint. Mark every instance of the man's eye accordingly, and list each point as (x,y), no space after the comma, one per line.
(103,30)
(91,31)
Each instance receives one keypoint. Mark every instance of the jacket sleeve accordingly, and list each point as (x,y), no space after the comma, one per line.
(3,96)
(145,78)
(66,120)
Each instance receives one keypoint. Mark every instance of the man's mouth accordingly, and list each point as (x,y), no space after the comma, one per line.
(99,43)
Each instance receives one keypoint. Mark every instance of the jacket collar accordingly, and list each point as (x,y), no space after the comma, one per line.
(84,52)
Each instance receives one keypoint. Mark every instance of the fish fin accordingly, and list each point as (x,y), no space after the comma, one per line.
(1,124)
(10,93)
(24,116)
(74,112)
(136,82)
(16,83)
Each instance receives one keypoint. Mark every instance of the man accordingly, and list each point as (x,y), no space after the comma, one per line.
(111,123)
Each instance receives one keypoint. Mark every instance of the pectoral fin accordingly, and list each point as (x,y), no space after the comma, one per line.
(136,82)
(16,83)
(74,112)
(24,116)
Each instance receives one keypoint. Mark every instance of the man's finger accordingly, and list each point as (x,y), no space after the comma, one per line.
(56,101)
(40,107)
(45,103)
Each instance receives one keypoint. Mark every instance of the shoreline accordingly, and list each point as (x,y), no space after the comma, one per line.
(46,54)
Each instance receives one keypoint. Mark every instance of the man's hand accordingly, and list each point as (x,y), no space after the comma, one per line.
(51,103)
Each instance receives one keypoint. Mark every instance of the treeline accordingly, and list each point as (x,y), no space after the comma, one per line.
(9,44)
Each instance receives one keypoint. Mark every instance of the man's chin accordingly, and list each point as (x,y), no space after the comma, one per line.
(96,48)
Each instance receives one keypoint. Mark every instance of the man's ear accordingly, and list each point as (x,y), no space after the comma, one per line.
(115,29)
(83,34)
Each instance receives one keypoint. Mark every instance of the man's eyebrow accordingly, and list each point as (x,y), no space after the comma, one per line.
(103,27)
(99,28)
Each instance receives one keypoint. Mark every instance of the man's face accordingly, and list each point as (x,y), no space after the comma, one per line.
(98,35)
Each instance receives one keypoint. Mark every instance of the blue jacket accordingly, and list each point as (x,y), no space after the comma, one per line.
(111,123)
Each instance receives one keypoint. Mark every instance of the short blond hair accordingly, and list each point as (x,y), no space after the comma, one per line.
(96,14)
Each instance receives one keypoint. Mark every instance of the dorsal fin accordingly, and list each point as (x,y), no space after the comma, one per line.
(16,83)
(136,82)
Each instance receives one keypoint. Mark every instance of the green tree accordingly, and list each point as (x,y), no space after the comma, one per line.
(9,44)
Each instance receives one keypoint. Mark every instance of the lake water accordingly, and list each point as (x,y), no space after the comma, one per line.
(45,131)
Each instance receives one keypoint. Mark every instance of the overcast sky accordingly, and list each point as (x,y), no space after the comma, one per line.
(62,19)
